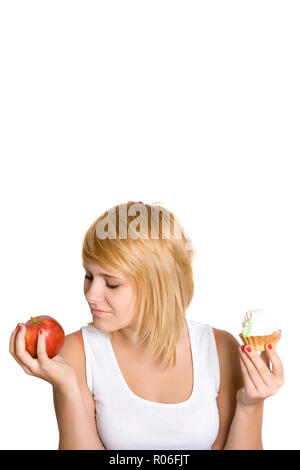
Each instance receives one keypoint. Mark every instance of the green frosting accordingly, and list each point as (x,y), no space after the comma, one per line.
(248,327)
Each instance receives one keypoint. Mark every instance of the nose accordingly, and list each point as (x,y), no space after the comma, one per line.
(95,293)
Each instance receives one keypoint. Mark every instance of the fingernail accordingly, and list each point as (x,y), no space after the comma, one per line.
(270,346)
(248,348)
(41,332)
(20,327)
(242,348)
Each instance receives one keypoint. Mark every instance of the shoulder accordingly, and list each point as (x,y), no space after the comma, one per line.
(224,339)
(228,354)
(73,342)
(73,353)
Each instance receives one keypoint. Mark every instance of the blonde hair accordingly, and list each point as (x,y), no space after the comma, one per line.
(158,267)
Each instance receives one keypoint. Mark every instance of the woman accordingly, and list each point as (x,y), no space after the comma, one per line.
(141,375)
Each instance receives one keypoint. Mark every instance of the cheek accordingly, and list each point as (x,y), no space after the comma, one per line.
(124,300)
(116,299)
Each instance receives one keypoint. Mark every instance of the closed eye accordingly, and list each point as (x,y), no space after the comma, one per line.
(90,279)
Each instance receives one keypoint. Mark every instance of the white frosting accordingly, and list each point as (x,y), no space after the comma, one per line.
(261,323)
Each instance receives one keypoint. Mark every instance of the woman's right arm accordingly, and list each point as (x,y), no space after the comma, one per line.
(73,402)
(76,432)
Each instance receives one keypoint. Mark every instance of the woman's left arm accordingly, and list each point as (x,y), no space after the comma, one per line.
(259,383)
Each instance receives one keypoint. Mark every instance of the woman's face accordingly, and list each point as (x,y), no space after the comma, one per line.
(112,293)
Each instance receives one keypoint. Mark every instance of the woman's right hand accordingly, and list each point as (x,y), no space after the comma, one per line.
(55,371)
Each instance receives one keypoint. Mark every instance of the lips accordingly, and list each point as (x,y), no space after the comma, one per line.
(93,310)
(98,309)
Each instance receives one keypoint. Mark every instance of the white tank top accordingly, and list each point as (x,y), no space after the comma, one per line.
(127,421)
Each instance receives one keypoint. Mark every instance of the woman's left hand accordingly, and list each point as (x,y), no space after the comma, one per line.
(259,381)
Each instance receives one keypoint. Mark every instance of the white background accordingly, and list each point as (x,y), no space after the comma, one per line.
(189,103)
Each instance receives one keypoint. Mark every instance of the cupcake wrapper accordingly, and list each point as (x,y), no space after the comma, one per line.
(259,342)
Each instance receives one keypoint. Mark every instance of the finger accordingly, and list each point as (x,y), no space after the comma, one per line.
(251,369)
(249,385)
(277,366)
(12,350)
(12,340)
(263,372)
(265,358)
(23,356)
(41,346)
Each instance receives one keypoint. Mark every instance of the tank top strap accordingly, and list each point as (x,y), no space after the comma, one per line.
(204,340)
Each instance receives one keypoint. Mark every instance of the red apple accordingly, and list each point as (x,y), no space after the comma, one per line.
(54,335)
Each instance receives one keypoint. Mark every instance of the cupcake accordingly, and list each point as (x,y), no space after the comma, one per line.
(259,328)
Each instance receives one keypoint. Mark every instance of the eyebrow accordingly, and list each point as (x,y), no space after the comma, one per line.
(103,274)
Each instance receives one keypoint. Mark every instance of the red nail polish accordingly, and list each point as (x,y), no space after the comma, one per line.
(41,332)
(248,348)
(270,346)
(20,328)
(242,348)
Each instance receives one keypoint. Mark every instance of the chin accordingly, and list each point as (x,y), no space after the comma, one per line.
(100,325)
